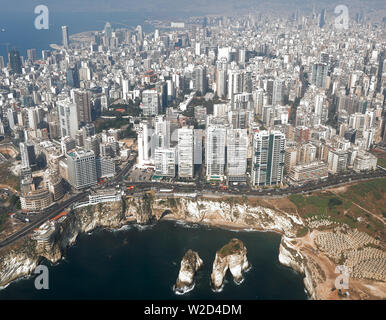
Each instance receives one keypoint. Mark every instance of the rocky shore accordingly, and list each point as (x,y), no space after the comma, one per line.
(232,256)
(190,264)
(22,257)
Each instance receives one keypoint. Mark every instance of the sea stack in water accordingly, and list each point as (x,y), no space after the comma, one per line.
(233,256)
(190,263)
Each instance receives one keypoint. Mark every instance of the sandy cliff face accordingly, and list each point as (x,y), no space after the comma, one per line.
(190,264)
(233,256)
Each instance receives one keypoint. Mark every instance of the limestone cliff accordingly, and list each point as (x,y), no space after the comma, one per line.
(290,257)
(233,256)
(229,212)
(140,208)
(22,257)
(190,264)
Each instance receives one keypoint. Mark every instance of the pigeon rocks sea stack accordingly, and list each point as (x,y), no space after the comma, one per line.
(190,264)
(233,256)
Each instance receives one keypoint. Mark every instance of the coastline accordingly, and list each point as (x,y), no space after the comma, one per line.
(296,253)
(131,222)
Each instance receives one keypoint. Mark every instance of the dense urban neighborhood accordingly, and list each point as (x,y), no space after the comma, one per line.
(255,110)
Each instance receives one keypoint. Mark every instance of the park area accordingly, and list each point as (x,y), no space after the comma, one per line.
(360,205)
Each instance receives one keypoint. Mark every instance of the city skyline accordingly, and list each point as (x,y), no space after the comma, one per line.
(251,122)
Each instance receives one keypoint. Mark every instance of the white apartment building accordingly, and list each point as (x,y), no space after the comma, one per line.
(150,104)
(215,152)
(185,152)
(268,158)
(237,146)
(165,162)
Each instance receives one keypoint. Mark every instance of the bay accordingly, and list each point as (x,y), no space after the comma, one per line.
(143,263)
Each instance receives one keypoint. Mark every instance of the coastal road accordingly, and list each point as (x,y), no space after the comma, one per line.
(49,214)
(208,190)
(332,181)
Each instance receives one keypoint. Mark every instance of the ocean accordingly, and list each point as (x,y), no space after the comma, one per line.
(18,30)
(139,262)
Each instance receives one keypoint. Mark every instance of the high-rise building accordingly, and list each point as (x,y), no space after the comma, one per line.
(200,113)
(258,99)
(67,144)
(197,149)
(125,89)
(185,152)
(81,168)
(278,92)
(35,116)
(82,99)
(65,37)
(165,162)
(92,143)
(319,102)
(319,75)
(150,102)
(239,118)
(337,161)
(198,48)
(170,91)
(235,83)
(200,82)
(14,61)
(68,118)
(221,78)
(27,153)
(290,158)
(31,55)
(242,101)
(12,118)
(237,145)
(242,56)
(72,77)
(143,144)
(105,167)
(108,30)
(268,158)
(215,152)
(88,130)
(162,132)
(322,20)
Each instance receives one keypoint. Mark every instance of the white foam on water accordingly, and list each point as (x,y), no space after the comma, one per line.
(186,290)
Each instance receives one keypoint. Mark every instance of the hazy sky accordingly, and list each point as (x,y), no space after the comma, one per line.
(175,5)
(188,7)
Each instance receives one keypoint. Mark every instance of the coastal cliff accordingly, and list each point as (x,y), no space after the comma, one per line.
(52,238)
(21,258)
(292,258)
(228,213)
(232,256)
(190,264)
